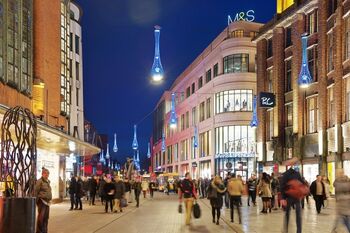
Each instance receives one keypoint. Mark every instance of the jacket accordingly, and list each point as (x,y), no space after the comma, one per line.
(217,202)
(313,189)
(92,185)
(42,190)
(109,190)
(342,190)
(235,187)
(119,189)
(144,185)
(289,175)
(265,188)
(72,186)
(252,184)
(187,188)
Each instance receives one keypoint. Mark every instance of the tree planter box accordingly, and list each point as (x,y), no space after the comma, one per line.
(17,215)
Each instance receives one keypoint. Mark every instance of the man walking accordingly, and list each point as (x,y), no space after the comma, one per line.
(119,194)
(318,191)
(43,196)
(93,189)
(235,190)
(252,183)
(72,189)
(188,192)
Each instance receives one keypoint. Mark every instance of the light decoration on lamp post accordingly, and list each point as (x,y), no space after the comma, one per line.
(102,159)
(163,142)
(305,78)
(149,151)
(157,72)
(138,160)
(195,141)
(135,144)
(115,146)
(173,118)
(254,121)
(107,153)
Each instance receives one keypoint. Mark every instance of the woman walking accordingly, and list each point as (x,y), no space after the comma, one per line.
(216,192)
(109,190)
(264,190)
(144,186)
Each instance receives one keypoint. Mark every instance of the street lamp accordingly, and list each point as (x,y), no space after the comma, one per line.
(305,78)
(157,72)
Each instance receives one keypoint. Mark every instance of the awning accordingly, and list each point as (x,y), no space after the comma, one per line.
(55,141)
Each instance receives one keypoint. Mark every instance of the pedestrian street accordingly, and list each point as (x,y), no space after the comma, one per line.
(160,215)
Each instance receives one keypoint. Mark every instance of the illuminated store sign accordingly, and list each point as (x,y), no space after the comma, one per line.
(267,100)
(235,155)
(242,16)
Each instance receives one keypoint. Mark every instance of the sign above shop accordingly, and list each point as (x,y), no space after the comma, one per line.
(267,100)
(242,16)
(236,155)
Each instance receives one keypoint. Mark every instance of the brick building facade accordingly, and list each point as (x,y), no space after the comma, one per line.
(311,123)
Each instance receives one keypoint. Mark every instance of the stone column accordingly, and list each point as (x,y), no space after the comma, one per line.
(261,83)
(278,44)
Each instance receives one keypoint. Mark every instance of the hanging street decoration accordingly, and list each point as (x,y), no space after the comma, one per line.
(102,159)
(115,146)
(163,142)
(149,151)
(254,121)
(195,141)
(305,78)
(135,144)
(173,118)
(107,152)
(157,72)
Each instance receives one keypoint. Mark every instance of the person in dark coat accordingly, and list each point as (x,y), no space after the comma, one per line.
(109,190)
(127,185)
(216,191)
(79,193)
(72,189)
(92,189)
(152,186)
(137,189)
(288,201)
(101,185)
(119,194)
(318,191)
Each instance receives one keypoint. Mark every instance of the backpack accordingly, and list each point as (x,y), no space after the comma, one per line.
(187,188)
(297,189)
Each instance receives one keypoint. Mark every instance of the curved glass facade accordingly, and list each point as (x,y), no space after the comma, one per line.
(233,100)
(236,63)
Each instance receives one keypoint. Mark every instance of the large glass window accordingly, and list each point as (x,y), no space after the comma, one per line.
(208,107)
(312,112)
(236,63)
(234,139)
(204,144)
(288,73)
(347,39)
(233,100)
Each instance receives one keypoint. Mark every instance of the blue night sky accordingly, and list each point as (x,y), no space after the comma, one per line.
(118,49)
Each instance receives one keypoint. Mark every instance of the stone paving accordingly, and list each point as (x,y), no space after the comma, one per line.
(159,215)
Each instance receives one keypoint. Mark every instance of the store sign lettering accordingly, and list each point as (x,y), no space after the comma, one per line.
(236,155)
(267,100)
(242,16)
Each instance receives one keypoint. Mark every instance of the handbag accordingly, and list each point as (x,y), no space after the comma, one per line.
(180,209)
(123,203)
(196,210)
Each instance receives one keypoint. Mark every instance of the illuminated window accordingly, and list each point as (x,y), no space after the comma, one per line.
(288,75)
(312,112)
(236,63)
(347,100)
(233,100)
(202,112)
(313,62)
(204,144)
(234,139)
(347,39)
(270,80)
(208,108)
(187,120)
(237,33)
(289,114)
(269,120)
(312,22)
(330,52)
(331,108)
(194,116)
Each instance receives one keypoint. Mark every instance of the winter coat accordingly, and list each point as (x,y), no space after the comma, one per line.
(217,202)
(252,183)
(119,189)
(265,188)
(72,186)
(235,187)
(144,185)
(109,190)
(92,185)
(313,189)
(289,175)
(79,192)
(101,190)
(42,190)
(127,186)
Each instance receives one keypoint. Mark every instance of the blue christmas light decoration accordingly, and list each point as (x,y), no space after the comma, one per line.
(173,118)
(149,151)
(195,141)
(305,78)
(138,161)
(115,146)
(102,159)
(163,142)
(157,72)
(135,144)
(107,152)
(254,121)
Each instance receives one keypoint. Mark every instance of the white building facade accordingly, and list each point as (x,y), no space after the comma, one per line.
(215,95)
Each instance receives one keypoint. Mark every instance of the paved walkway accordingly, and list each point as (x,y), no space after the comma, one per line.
(159,215)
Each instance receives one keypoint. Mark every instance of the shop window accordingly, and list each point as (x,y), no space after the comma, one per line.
(202,112)
(288,75)
(236,63)
(289,114)
(208,76)
(216,70)
(204,144)
(331,108)
(347,39)
(200,82)
(234,100)
(208,108)
(312,22)
(312,112)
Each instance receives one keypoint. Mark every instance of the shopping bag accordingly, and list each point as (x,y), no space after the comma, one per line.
(180,209)
(123,203)
(196,210)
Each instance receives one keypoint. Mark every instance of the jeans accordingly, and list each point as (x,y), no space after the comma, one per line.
(188,204)
(227,200)
(117,204)
(319,202)
(252,195)
(151,192)
(72,200)
(92,197)
(78,202)
(296,203)
(43,217)
(137,197)
(235,202)
(110,202)
(217,210)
